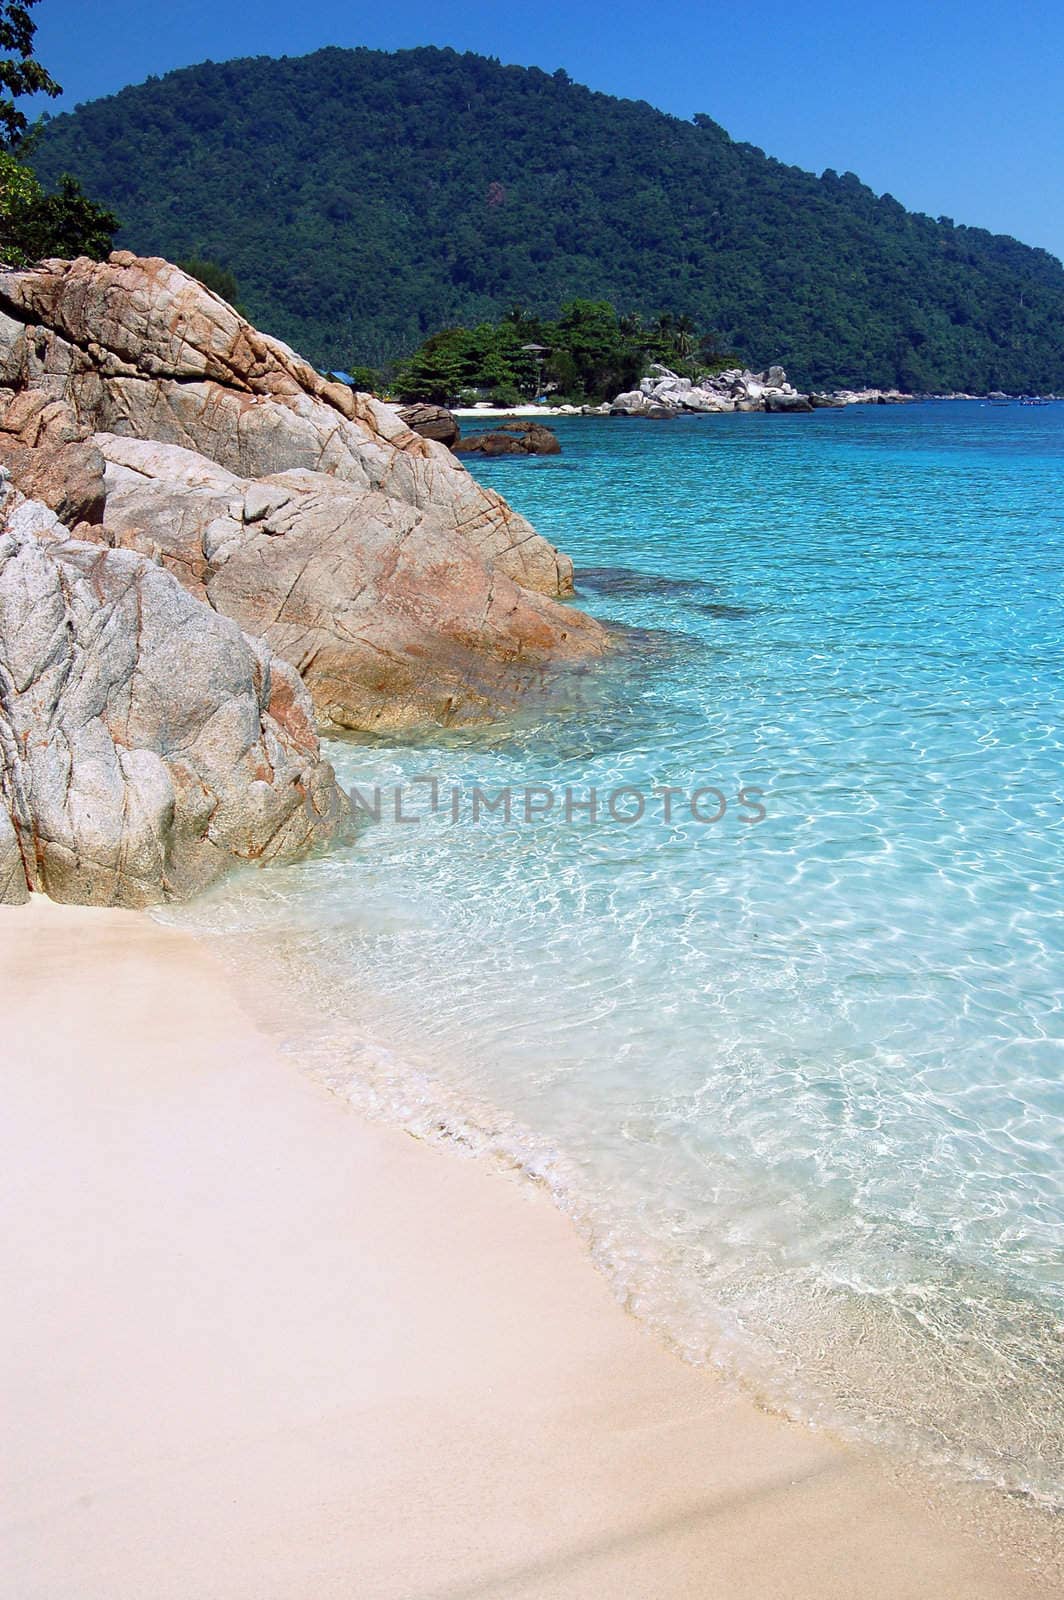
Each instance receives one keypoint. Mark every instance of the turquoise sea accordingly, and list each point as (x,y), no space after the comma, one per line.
(798,1079)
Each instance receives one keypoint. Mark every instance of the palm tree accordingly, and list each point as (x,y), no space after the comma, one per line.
(683,337)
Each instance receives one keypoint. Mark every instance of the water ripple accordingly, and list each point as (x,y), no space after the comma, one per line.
(800,1081)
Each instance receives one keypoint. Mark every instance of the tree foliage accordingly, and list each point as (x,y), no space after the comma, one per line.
(34,223)
(365,200)
(218,279)
(587,353)
(20,73)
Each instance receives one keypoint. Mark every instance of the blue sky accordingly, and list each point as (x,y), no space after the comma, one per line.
(955,108)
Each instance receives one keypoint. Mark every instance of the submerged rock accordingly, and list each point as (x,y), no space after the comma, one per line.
(147,745)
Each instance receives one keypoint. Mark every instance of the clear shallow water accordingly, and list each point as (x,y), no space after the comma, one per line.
(799,1080)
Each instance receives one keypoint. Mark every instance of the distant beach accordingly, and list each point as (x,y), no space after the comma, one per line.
(487,413)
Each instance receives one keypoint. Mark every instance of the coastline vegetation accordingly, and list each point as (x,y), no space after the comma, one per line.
(588,354)
(365,200)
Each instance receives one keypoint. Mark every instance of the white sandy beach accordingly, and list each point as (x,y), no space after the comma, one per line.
(499,413)
(257,1349)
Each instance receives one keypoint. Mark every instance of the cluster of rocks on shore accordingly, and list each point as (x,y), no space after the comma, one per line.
(207,553)
(663,394)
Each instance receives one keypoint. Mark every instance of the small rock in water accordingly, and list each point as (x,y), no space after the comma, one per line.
(511,439)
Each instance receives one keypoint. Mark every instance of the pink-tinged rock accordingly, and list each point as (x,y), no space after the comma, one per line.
(391,617)
(50,456)
(139,348)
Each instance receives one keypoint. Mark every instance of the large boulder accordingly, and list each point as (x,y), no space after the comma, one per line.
(432,422)
(511,439)
(367,556)
(139,348)
(704,399)
(390,617)
(147,745)
(787,402)
(634,403)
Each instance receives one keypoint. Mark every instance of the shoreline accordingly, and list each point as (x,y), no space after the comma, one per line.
(546,413)
(473,412)
(349,1362)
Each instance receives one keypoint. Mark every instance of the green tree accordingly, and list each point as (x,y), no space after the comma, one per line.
(683,339)
(711,353)
(438,370)
(18,185)
(20,73)
(589,353)
(589,332)
(33,223)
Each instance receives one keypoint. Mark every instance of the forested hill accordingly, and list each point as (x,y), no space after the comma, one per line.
(365,199)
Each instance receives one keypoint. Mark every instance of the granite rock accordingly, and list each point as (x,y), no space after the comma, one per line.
(390,618)
(432,422)
(147,746)
(511,438)
(137,347)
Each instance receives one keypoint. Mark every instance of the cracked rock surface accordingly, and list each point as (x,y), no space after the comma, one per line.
(392,620)
(139,348)
(402,591)
(147,745)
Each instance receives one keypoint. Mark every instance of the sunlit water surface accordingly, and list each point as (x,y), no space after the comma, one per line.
(799,1079)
